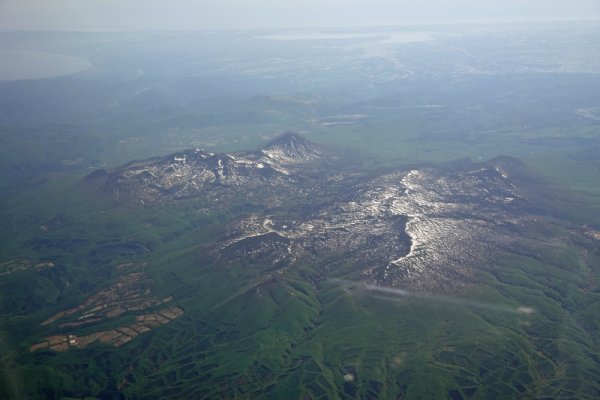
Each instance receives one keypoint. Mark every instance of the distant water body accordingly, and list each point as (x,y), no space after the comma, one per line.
(20,64)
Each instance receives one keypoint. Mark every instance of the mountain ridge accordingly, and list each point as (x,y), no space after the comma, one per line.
(283,161)
(404,226)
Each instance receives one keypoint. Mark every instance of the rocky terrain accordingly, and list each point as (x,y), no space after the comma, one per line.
(287,166)
(230,275)
(421,228)
(418,228)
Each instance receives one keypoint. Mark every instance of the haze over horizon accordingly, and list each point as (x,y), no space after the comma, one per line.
(136,15)
(310,199)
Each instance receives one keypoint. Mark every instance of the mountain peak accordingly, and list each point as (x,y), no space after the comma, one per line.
(291,147)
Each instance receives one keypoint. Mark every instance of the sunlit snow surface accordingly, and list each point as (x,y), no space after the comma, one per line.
(420,228)
(190,173)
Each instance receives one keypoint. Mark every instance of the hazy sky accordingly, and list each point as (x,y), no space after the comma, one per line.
(211,14)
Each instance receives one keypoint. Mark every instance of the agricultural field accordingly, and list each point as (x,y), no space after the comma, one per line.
(272,217)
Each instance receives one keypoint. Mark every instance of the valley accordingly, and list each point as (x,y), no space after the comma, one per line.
(348,213)
(263,256)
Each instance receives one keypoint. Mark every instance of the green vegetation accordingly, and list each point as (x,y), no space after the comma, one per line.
(249,331)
